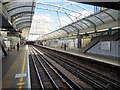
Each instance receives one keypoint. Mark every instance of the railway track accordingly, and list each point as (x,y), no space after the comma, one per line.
(45,76)
(95,79)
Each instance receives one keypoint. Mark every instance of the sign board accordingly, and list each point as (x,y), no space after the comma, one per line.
(105,45)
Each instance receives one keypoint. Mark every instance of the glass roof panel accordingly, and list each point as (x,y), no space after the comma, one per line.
(57,34)
(62,31)
(12,5)
(27,14)
(66,29)
(70,28)
(49,36)
(78,26)
(23,24)
(95,20)
(22,21)
(73,29)
(114,13)
(62,34)
(61,13)
(82,24)
(19,10)
(105,17)
(86,22)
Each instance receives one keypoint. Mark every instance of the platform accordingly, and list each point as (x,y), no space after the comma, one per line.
(15,69)
(104,59)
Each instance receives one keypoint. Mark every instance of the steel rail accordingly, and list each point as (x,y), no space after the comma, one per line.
(50,77)
(98,76)
(92,74)
(43,76)
(37,72)
(56,71)
(63,80)
(82,76)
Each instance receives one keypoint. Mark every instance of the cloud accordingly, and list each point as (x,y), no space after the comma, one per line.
(45,17)
(40,25)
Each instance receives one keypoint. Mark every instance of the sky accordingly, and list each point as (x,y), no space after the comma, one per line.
(57,19)
(89,7)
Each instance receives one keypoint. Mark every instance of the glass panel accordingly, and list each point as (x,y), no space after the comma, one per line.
(95,20)
(60,33)
(24,24)
(22,18)
(70,28)
(23,15)
(49,36)
(86,22)
(113,13)
(82,24)
(105,17)
(57,34)
(54,35)
(63,32)
(66,29)
(76,25)
(17,4)
(22,21)
(19,10)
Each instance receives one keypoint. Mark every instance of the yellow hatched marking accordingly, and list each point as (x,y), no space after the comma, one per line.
(23,67)
(20,88)
(20,83)
(21,79)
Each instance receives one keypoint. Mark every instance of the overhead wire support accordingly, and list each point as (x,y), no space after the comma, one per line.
(53,10)
(79,6)
(59,20)
(59,7)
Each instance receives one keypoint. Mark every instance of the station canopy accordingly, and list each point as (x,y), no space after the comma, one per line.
(102,20)
(20,12)
(60,13)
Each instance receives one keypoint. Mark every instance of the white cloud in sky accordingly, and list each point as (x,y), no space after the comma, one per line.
(40,26)
(45,17)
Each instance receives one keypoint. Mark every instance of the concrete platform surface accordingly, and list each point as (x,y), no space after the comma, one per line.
(15,72)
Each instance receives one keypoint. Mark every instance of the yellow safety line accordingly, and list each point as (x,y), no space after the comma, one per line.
(21,79)
(23,66)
